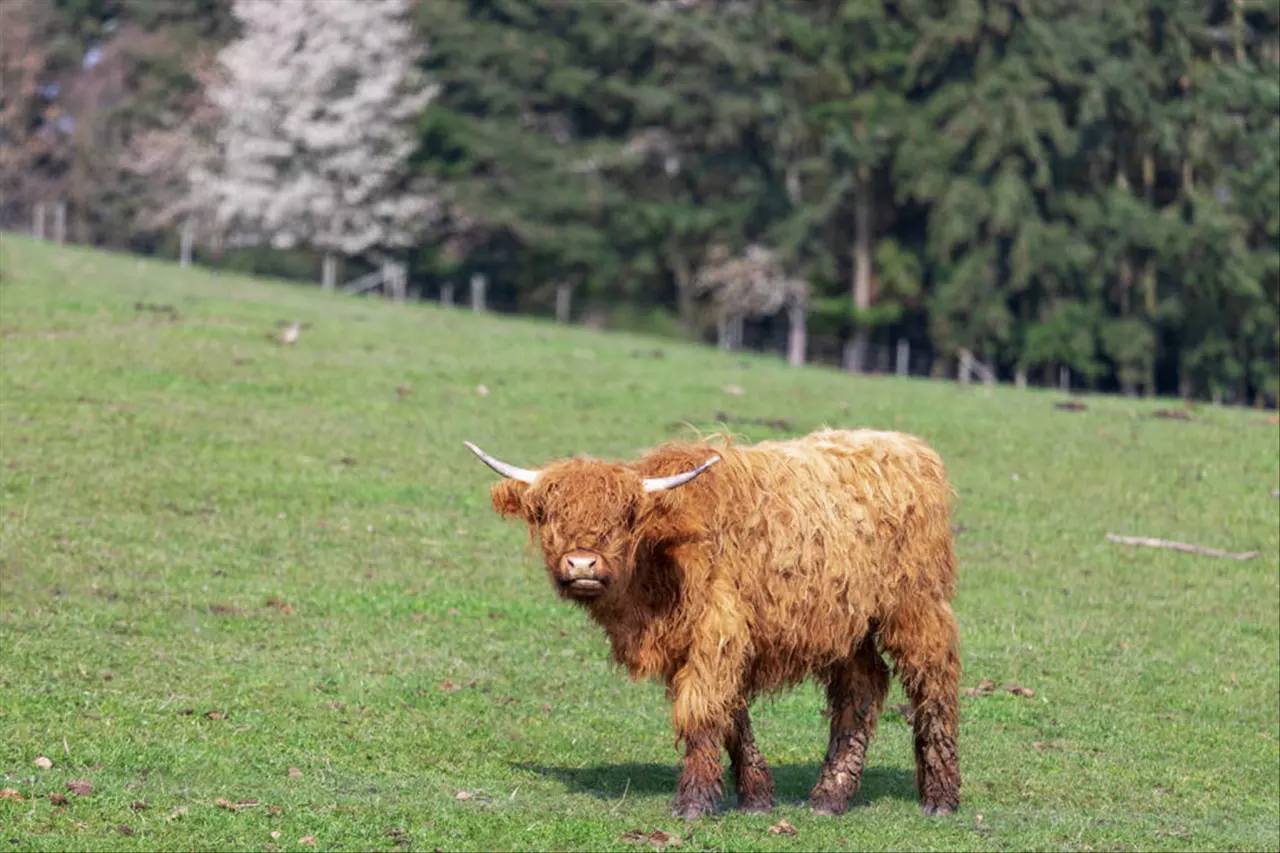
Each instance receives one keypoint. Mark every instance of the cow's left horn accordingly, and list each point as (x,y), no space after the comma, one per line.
(524,475)
(661,484)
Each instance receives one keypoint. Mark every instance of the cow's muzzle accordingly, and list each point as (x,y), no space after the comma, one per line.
(582,574)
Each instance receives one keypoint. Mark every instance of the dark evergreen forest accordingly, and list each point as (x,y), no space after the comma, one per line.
(1041,183)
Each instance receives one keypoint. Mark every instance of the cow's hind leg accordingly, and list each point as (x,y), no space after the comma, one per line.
(750,770)
(855,692)
(925,645)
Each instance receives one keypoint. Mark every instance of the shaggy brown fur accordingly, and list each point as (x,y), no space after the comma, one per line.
(784,560)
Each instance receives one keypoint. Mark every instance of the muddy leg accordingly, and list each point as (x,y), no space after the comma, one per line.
(855,691)
(924,642)
(699,785)
(750,771)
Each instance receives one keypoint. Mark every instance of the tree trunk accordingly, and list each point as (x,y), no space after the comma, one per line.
(1126,268)
(1237,15)
(797,337)
(394,281)
(856,349)
(797,340)
(729,332)
(793,184)
(1149,269)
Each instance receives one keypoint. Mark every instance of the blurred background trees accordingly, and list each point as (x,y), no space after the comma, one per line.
(1040,184)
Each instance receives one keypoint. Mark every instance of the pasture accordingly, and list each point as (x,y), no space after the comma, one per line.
(256,595)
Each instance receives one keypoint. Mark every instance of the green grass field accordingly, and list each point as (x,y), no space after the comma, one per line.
(197,519)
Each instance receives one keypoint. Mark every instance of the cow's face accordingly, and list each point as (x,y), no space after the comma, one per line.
(583,514)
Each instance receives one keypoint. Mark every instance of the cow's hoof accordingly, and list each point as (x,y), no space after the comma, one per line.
(939,809)
(752,805)
(827,807)
(691,812)
(692,808)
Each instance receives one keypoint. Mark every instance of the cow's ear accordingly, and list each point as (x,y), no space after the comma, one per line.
(508,497)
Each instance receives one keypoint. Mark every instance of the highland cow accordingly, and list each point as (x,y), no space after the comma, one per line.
(747,570)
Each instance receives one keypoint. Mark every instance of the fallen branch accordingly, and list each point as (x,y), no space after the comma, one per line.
(1179,546)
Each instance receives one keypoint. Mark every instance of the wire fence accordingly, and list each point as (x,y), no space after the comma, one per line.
(49,221)
(901,357)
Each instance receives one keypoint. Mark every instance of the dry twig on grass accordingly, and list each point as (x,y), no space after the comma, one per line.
(1180,546)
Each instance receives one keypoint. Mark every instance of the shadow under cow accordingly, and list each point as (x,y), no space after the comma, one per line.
(792,782)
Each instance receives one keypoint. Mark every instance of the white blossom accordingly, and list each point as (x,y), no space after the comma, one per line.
(753,284)
(320,102)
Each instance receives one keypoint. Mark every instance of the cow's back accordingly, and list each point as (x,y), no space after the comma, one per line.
(823,534)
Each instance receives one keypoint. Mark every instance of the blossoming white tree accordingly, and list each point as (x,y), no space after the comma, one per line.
(754,284)
(319,102)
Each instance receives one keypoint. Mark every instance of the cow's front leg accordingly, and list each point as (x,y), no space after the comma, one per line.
(706,693)
(699,786)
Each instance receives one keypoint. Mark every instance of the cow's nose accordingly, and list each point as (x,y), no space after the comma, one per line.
(579,566)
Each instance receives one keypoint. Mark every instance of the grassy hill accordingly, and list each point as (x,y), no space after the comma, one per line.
(233,570)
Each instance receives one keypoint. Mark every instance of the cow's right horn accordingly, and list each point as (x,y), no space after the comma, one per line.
(661,484)
(524,475)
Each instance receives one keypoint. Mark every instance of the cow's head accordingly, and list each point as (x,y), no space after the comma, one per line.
(585,515)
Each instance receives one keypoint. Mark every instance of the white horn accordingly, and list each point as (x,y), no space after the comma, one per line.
(661,484)
(524,475)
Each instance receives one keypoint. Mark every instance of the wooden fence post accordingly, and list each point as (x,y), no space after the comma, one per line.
(797,335)
(1064,378)
(564,293)
(903,366)
(215,249)
(188,237)
(37,224)
(60,223)
(446,295)
(477,292)
(966,366)
(329,272)
(398,276)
